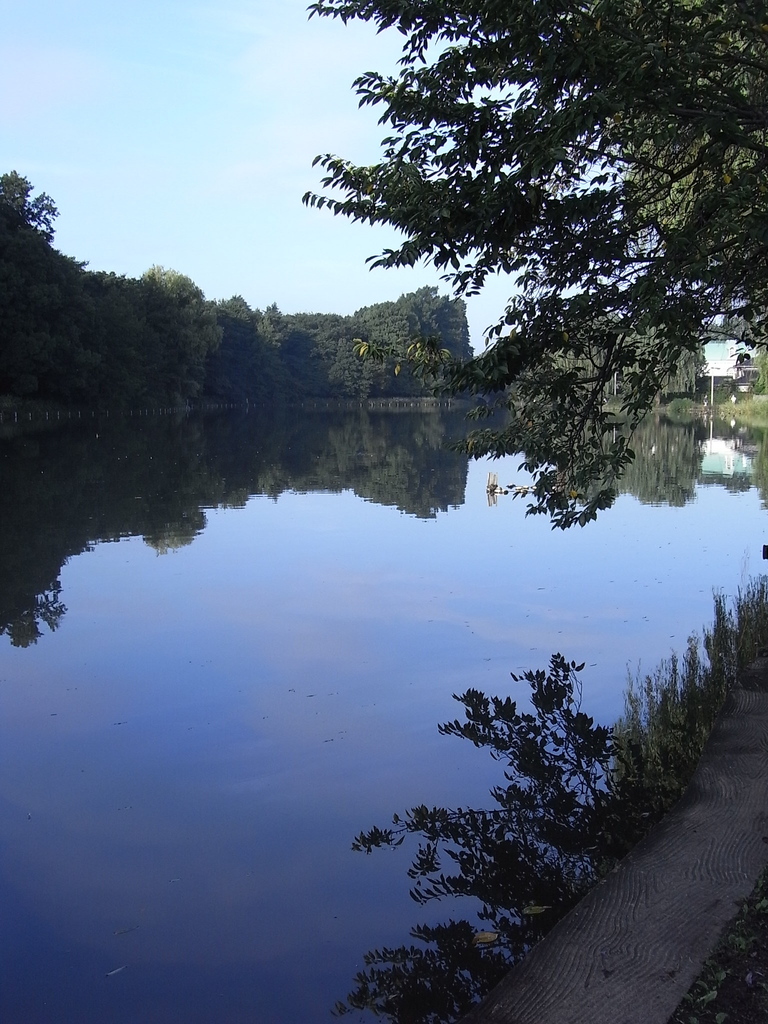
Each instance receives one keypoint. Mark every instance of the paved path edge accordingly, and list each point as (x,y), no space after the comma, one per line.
(630,950)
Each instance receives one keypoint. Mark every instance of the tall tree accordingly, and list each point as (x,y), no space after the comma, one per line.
(44,312)
(245,365)
(185,329)
(611,157)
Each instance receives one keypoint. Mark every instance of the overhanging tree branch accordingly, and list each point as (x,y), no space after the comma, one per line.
(609,157)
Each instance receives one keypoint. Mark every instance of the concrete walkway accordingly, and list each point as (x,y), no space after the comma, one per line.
(631,949)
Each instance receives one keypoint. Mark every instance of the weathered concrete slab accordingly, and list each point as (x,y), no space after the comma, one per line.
(631,949)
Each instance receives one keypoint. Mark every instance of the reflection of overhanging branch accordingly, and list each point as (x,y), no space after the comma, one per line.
(640,939)
(575,799)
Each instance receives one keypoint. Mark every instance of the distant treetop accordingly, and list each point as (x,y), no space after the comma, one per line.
(38,213)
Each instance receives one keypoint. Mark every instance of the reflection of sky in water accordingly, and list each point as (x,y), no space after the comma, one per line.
(231,713)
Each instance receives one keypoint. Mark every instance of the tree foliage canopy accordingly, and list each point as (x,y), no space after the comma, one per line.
(16,202)
(610,157)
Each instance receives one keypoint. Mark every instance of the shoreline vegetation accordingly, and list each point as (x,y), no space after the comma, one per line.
(77,338)
(748,409)
(34,408)
(751,410)
(733,987)
(576,797)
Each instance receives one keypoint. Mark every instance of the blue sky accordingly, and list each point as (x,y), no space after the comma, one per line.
(182,133)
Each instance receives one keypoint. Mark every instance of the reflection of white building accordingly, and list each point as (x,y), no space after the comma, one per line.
(721,456)
(722,363)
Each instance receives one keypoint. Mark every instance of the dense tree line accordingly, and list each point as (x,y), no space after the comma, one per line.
(312,355)
(74,335)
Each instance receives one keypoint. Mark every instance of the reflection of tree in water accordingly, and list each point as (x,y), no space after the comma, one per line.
(69,487)
(667,462)
(760,465)
(575,798)
(174,536)
(25,629)
(561,818)
(107,479)
(396,459)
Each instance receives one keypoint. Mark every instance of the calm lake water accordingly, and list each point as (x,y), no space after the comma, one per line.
(227,642)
